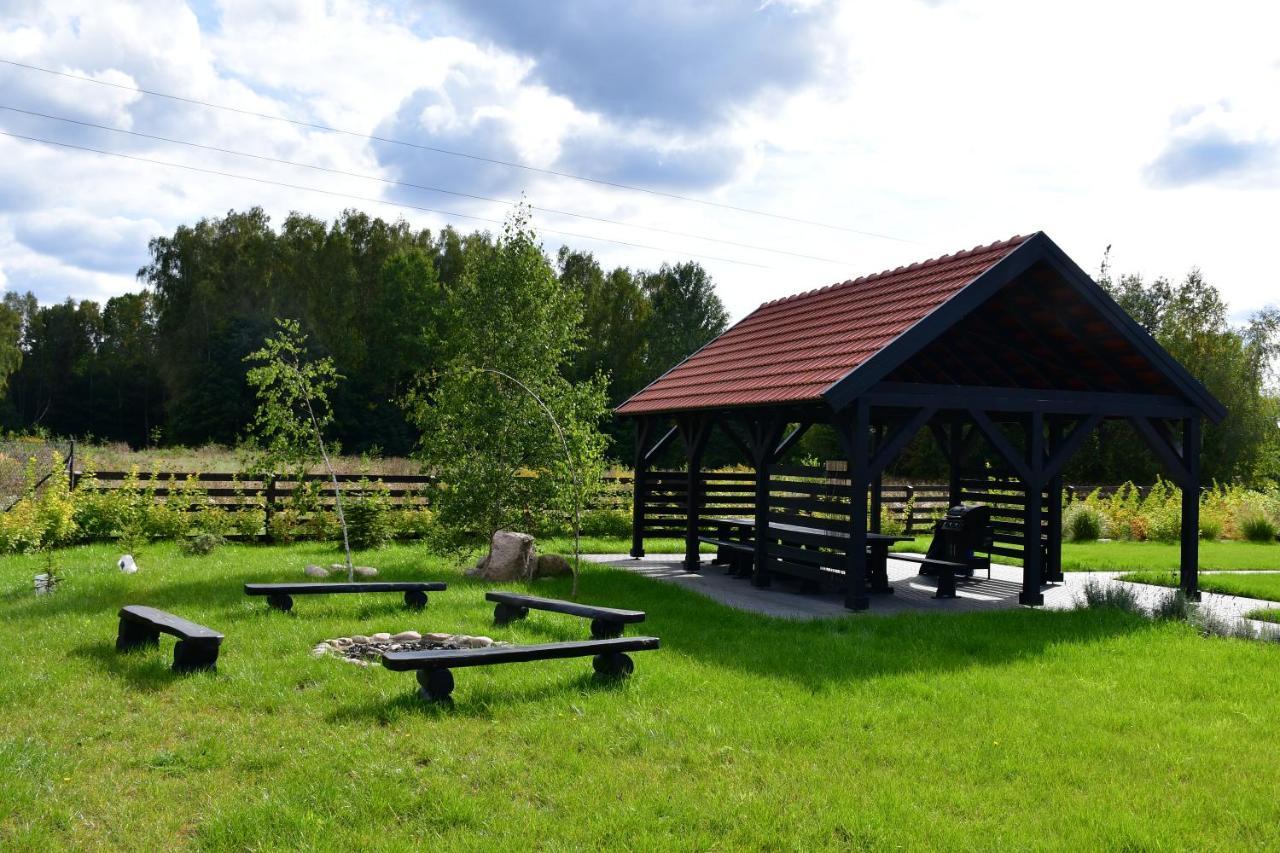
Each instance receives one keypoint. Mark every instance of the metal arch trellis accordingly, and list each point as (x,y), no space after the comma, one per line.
(568,455)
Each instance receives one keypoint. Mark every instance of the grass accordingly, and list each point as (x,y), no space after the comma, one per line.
(1012,729)
(1266,587)
(1265,614)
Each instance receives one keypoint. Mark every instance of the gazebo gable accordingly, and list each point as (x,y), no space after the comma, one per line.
(1033,320)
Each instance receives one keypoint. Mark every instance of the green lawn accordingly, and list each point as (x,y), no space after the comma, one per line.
(1016,729)
(1266,587)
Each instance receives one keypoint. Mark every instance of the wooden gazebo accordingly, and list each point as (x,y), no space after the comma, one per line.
(1012,344)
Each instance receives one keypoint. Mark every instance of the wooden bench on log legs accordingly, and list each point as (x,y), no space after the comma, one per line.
(280,595)
(197,646)
(606,622)
(435,678)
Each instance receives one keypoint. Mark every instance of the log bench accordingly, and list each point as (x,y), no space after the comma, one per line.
(435,678)
(280,595)
(141,627)
(738,556)
(606,622)
(946,571)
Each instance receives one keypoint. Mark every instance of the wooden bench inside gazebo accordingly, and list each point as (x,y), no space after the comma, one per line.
(1010,346)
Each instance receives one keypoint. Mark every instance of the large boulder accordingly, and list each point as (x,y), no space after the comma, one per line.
(512,556)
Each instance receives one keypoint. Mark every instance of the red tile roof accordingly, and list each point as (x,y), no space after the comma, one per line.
(793,349)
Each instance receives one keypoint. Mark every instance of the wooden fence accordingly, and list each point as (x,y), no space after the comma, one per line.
(726,493)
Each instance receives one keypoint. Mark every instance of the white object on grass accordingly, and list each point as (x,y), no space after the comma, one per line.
(127,565)
(44,583)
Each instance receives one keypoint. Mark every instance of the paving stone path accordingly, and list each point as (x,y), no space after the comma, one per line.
(911,593)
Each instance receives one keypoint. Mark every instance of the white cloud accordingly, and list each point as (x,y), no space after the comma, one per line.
(947,124)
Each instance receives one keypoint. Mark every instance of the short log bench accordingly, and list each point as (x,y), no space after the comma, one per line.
(606,622)
(197,646)
(279,595)
(946,571)
(738,556)
(435,678)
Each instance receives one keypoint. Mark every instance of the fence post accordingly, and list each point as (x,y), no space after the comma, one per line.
(269,507)
(909,528)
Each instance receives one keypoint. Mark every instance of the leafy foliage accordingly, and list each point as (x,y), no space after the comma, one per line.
(293,409)
(513,331)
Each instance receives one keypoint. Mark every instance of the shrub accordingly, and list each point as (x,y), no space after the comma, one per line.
(1114,595)
(1210,528)
(1255,526)
(1083,522)
(202,544)
(367,511)
(1174,606)
(606,522)
(411,523)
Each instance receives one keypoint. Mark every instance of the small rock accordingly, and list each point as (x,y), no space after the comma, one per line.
(551,566)
(406,636)
(127,565)
(341,642)
(477,642)
(357,661)
(380,637)
(366,571)
(314,571)
(360,638)
(320,650)
(437,636)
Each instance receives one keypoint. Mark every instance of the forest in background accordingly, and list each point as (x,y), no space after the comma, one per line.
(165,365)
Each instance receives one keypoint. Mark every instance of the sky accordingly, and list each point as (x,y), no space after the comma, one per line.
(783,144)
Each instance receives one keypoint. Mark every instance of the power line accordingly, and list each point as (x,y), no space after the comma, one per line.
(266,159)
(336,194)
(451,153)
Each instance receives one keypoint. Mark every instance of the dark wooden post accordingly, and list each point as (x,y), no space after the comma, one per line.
(954,452)
(639,486)
(1053,524)
(694,429)
(765,433)
(1032,552)
(269,506)
(854,429)
(877,488)
(1190,563)
(1053,555)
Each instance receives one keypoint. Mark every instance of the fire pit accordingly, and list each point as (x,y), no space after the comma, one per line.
(364,649)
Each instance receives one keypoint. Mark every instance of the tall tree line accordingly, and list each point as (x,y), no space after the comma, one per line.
(167,364)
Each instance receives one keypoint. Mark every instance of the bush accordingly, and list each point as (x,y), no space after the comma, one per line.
(1114,595)
(1257,527)
(1083,522)
(1174,606)
(202,544)
(606,522)
(367,511)
(1210,528)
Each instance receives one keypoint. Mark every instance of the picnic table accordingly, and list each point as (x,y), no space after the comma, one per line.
(742,530)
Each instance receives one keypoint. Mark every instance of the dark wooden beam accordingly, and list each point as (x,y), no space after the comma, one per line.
(909,395)
(1001,444)
(1062,450)
(1158,441)
(660,445)
(886,451)
(790,441)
